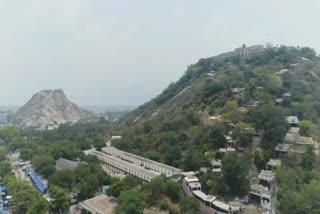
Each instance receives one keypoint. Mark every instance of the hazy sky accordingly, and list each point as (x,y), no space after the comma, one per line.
(125,52)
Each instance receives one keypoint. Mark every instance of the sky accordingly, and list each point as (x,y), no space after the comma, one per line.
(103,52)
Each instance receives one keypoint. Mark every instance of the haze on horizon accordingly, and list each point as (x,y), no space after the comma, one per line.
(126,52)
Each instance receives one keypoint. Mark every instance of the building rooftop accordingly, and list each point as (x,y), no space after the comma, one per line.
(259,189)
(210,198)
(101,204)
(191,178)
(147,172)
(274,162)
(293,120)
(236,90)
(137,157)
(64,164)
(230,149)
(215,162)
(221,205)
(298,139)
(267,175)
(282,147)
(200,194)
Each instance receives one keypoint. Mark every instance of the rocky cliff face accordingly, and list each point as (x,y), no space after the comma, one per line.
(49,107)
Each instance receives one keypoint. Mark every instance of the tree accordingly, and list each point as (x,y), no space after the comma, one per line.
(311,197)
(5,168)
(250,89)
(261,158)
(172,190)
(308,52)
(307,127)
(298,191)
(60,200)
(153,155)
(216,137)
(230,106)
(190,206)
(172,155)
(131,202)
(45,165)
(309,158)
(3,154)
(132,181)
(271,121)
(118,187)
(63,179)
(27,199)
(9,132)
(66,149)
(243,133)
(235,171)
(98,143)
(193,160)
(87,187)
(38,205)
(196,133)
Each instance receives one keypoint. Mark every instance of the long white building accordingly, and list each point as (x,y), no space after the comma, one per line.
(123,162)
(121,166)
(141,161)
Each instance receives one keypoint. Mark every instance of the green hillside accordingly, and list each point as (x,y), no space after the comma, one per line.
(187,124)
(178,118)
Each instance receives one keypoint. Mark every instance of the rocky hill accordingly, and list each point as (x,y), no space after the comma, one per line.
(49,107)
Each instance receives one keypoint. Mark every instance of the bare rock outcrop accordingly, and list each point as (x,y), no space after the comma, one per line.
(49,107)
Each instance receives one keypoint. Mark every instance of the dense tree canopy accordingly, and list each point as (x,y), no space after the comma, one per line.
(235,172)
(131,202)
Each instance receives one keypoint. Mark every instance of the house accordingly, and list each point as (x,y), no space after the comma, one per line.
(282,71)
(100,204)
(262,192)
(189,184)
(116,137)
(236,90)
(64,164)
(230,141)
(288,94)
(253,104)
(296,138)
(273,164)
(281,149)
(267,179)
(243,109)
(216,165)
(52,127)
(294,124)
(262,196)
(225,150)
(294,65)
(215,117)
(293,121)
(279,101)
